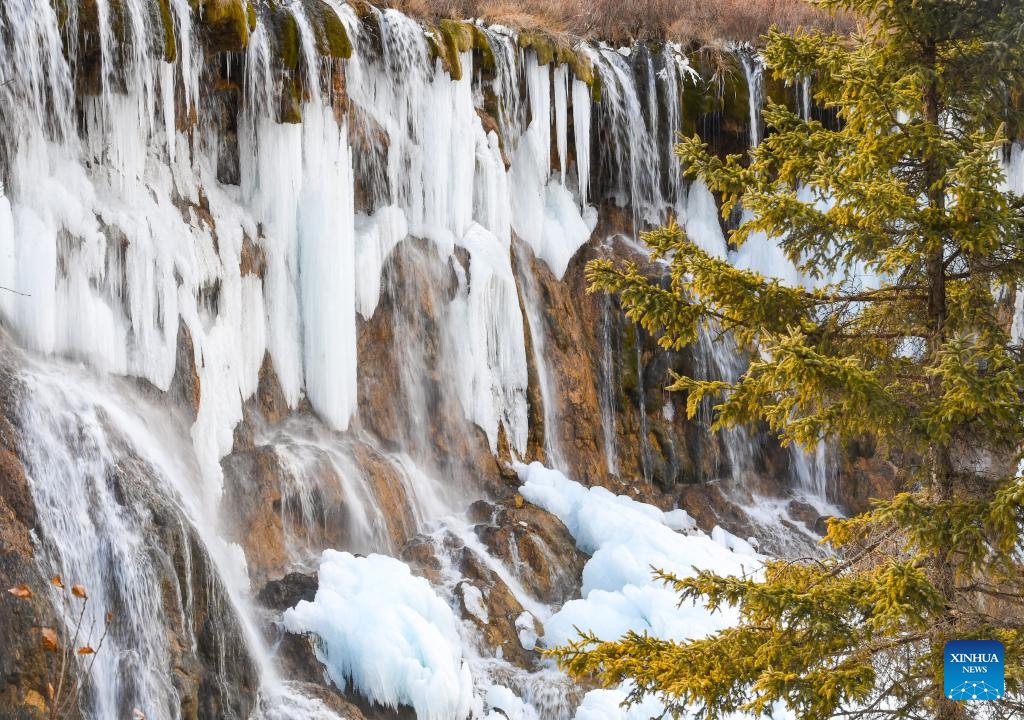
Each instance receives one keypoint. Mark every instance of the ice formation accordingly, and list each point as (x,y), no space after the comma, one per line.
(625,540)
(389,633)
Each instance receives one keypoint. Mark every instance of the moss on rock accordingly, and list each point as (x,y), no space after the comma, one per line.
(332,38)
(579,63)
(456,37)
(288,42)
(170,44)
(225,22)
(542,45)
(441,48)
(482,45)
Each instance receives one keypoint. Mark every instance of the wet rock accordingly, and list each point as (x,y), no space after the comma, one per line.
(420,554)
(252,509)
(570,323)
(406,399)
(496,619)
(710,504)
(389,493)
(25,669)
(286,592)
(805,513)
(538,549)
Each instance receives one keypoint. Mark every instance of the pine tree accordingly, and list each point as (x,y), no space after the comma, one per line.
(909,189)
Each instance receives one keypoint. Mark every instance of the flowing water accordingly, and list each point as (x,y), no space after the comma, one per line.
(149,253)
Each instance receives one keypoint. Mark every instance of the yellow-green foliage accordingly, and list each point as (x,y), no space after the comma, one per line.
(250,13)
(920,359)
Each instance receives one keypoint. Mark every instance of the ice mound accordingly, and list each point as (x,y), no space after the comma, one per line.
(389,633)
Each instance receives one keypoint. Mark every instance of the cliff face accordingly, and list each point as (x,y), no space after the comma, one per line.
(310,275)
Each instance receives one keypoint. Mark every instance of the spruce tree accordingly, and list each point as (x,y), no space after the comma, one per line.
(909,189)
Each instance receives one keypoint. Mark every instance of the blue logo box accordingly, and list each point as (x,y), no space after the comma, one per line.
(973,670)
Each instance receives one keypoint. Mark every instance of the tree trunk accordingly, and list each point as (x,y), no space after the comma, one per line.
(941,471)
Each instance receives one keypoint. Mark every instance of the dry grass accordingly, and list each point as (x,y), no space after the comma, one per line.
(704,21)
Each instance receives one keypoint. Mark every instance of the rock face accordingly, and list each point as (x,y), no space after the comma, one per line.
(867,474)
(25,669)
(537,547)
(210,667)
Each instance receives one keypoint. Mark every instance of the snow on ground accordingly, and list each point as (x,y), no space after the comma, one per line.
(388,632)
(625,540)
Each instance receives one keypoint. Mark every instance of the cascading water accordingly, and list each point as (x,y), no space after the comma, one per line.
(307,260)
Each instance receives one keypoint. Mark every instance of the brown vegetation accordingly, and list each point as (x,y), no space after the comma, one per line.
(704,21)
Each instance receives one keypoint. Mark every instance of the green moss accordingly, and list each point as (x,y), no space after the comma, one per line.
(250,13)
(226,23)
(457,34)
(288,41)
(735,100)
(542,45)
(595,89)
(457,37)
(331,36)
(170,46)
(483,48)
(580,64)
(60,8)
(445,50)
(699,99)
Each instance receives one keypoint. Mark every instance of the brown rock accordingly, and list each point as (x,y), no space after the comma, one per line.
(498,630)
(538,548)
(866,474)
(186,386)
(269,396)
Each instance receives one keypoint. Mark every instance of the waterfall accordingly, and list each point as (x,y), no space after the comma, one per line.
(753,69)
(260,301)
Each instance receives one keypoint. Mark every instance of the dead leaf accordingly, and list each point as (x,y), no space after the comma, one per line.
(79,591)
(57,581)
(50,690)
(50,639)
(85,650)
(20,591)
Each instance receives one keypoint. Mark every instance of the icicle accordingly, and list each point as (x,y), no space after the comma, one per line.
(581,136)
(327,268)
(561,116)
